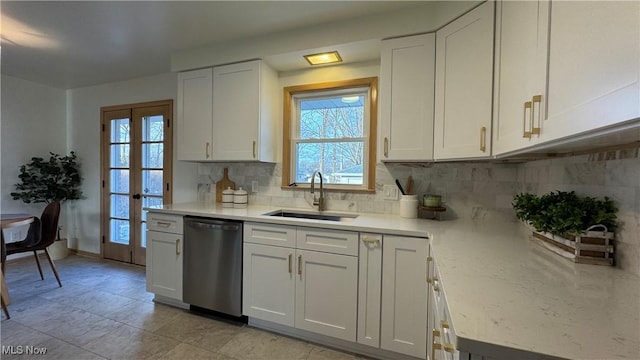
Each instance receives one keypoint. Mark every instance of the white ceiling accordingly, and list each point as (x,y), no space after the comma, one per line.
(69,44)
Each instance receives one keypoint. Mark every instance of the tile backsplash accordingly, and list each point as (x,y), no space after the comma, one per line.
(473,190)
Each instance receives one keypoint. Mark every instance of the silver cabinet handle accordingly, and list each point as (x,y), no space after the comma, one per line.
(300,265)
(206,150)
(177,246)
(290,261)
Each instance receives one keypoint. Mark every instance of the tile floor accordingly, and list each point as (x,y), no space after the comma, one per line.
(103,311)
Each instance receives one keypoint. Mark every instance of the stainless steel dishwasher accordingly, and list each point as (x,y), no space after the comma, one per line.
(212,277)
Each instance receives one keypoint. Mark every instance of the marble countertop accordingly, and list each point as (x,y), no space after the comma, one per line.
(379,223)
(508,297)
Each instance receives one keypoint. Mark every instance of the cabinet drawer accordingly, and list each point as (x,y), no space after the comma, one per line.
(164,223)
(268,234)
(326,240)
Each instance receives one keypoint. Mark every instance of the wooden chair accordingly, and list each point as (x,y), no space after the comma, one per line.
(42,233)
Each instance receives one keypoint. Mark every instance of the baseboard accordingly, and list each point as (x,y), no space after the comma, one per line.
(85,253)
(169,301)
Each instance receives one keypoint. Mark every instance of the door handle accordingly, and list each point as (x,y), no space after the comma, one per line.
(300,265)
(525,133)
(386,147)
(136,196)
(537,99)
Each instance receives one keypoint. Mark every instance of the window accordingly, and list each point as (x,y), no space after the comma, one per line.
(331,128)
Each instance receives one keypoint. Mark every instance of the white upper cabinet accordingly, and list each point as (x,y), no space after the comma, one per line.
(594,66)
(522,33)
(464,85)
(244,112)
(406,98)
(194,114)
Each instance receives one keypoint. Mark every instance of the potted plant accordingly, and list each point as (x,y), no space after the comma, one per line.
(577,227)
(46,181)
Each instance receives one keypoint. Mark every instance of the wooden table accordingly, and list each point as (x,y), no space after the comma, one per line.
(6,221)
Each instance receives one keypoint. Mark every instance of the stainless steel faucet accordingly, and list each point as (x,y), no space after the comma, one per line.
(319,201)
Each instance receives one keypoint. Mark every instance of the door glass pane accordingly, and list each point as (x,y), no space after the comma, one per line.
(120,131)
(153,128)
(152,155)
(148,201)
(119,180)
(119,231)
(152,182)
(120,154)
(120,206)
(144,235)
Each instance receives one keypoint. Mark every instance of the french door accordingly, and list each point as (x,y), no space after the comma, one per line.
(136,156)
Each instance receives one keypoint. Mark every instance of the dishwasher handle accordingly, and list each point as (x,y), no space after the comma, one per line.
(209,226)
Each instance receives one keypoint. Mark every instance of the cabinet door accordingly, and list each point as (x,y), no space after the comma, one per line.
(464,84)
(164,264)
(522,32)
(268,283)
(327,294)
(406,98)
(404,296)
(593,66)
(236,111)
(194,114)
(369,289)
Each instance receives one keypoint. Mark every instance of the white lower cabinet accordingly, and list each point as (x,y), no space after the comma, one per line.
(164,264)
(369,289)
(404,296)
(336,294)
(268,283)
(327,294)
(309,290)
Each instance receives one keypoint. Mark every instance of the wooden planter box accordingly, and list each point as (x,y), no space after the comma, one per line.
(592,247)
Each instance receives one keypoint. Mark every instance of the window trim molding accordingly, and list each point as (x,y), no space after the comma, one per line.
(290,91)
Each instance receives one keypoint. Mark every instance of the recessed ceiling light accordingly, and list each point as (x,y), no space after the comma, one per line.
(323,58)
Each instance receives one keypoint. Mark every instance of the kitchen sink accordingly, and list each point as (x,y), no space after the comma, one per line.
(312,215)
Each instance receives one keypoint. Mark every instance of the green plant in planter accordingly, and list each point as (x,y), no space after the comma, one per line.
(564,213)
(57,179)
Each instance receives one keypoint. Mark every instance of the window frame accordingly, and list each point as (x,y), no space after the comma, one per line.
(289,127)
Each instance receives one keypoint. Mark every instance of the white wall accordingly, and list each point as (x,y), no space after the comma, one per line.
(83,117)
(32,124)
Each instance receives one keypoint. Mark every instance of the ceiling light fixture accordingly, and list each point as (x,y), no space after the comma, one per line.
(323,58)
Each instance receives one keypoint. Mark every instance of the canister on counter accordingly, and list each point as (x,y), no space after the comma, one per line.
(240,198)
(227,197)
